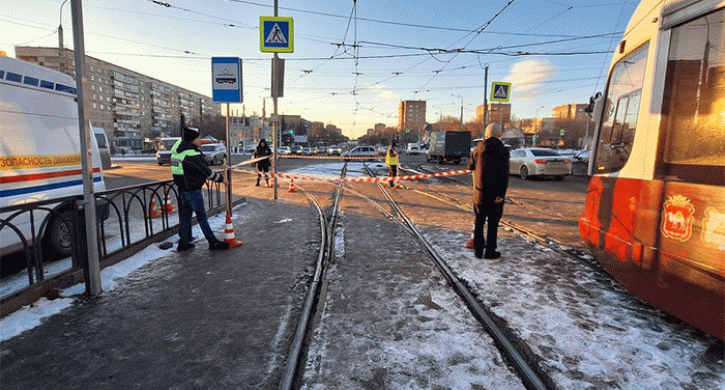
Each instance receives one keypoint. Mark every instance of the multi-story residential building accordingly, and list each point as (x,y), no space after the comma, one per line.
(411,115)
(497,112)
(571,112)
(129,105)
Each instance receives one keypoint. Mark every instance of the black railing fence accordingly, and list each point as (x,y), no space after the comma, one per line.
(43,242)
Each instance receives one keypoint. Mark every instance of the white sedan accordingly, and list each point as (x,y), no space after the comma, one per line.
(527,162)
(360,151)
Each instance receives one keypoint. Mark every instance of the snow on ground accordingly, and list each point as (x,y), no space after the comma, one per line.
(588,331)
(32,316)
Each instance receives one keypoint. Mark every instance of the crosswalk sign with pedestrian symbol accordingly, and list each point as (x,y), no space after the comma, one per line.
(500,91)
(276,34)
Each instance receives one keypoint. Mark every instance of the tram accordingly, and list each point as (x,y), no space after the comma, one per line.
(655,203)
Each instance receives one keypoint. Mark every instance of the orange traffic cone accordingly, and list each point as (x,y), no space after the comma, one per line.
(153,209)
(397,184)
(292,185)
(167,204)
(469,243)
(229,234)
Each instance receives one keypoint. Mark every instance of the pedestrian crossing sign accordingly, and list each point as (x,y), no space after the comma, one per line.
(276,34)
(500,91)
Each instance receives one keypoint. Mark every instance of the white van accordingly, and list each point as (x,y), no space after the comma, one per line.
(40,151)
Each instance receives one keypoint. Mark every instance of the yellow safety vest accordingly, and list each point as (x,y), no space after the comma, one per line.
(391,160)
(177,159)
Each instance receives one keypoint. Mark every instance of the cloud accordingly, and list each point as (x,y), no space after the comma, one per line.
(528,77)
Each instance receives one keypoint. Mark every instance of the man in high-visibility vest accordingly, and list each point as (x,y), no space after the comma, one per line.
(190,174)
(391,160)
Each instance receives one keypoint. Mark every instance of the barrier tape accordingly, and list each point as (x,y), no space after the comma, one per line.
(356,179)
(331,157)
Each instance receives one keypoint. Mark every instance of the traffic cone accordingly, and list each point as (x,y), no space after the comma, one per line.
(167,204)
(397,184)
(292,185)
(229,233)
(469,244)
(153,209)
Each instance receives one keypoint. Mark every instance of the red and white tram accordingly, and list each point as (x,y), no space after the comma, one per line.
(655,205)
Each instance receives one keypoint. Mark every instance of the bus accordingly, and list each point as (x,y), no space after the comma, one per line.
(655,203)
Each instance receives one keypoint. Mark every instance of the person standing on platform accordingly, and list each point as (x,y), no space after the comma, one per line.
(262,165)
(490,165)
(190,173)
(391,160)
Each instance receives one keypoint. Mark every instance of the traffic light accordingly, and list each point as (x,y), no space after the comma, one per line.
(292,132)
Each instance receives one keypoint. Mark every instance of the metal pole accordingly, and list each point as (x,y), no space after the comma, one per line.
(61,50)
(89,200)
(274,123)
(227,168)
(485,100)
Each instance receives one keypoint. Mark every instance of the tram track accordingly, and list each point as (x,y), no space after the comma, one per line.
(520,360)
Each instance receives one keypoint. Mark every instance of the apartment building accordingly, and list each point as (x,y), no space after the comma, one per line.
(411,115)
(130,106)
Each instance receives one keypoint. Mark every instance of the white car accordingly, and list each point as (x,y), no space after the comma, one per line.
(284,150)
(360,151)
(527,162)
(214,154)
(413,149)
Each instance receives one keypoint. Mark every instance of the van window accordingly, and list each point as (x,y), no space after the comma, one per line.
(692,133)
(621,112)
(102,141)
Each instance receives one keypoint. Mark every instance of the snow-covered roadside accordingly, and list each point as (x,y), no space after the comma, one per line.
(589,332)
(33,315)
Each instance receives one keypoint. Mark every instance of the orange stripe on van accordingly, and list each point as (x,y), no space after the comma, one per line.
(43,176)
(35,161)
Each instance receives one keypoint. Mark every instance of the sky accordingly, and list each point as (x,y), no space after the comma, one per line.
(353,61)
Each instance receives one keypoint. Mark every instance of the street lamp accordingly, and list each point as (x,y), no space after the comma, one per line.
(61,64)
(461,97)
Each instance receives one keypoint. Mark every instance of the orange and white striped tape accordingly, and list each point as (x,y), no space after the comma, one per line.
(358,179)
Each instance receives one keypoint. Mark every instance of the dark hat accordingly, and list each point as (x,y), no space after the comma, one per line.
(190,133)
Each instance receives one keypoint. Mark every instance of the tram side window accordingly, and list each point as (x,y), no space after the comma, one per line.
(621,112)
(692,133)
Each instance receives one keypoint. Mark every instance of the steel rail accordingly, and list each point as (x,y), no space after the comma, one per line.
(530,377)
(326,252)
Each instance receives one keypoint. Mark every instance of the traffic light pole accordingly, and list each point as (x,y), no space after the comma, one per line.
(276,118)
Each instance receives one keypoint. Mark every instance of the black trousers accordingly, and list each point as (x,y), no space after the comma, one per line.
(392,172)
(493,212)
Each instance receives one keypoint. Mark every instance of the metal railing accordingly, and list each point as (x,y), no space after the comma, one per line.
(129,219)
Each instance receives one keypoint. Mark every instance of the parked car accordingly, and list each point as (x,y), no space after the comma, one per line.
(413,149)
(334,150)
(583,156)
(296,149)
(360,151)
(214,153)
(163,149)
(307,151)
(528,162)
(284,150)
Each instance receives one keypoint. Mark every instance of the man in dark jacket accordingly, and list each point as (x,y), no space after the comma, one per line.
(190,173)
(490,166)
(262,150)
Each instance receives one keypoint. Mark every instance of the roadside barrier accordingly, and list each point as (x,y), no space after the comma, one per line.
(332,179)
(331,157)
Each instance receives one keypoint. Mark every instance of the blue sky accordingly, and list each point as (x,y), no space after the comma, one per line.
(353,61)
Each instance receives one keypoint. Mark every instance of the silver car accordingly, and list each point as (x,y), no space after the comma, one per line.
(360,152)
(214,153)
(527,162)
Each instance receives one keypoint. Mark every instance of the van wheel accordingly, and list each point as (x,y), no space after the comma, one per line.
(524,172)
(59,236)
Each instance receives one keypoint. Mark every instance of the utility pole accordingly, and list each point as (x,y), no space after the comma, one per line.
(274,123)
(93,280)
(485,99)
(61,49)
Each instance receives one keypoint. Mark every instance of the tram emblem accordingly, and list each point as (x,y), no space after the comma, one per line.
(677,218)
(713,228)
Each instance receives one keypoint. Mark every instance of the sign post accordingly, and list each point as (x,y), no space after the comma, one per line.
(226,80)
(501,93)
(276,35)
